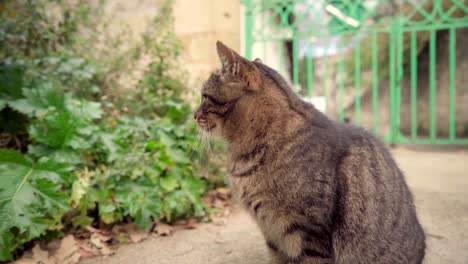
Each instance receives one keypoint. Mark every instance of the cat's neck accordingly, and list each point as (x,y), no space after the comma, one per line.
(270,130)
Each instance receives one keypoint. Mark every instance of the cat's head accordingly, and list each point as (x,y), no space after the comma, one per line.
(224,88)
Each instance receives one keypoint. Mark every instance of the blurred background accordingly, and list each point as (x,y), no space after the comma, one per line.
(98,149)
(394,67)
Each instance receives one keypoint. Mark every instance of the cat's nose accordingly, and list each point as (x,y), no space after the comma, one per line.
(197,114)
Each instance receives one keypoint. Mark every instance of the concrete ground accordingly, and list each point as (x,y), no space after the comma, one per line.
(438,179)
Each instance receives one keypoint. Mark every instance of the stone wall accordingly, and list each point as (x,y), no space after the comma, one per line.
(199,24)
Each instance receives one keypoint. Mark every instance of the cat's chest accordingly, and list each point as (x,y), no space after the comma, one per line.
(260,202)
(251,163)
(270,209)
(271,217)
(251,185)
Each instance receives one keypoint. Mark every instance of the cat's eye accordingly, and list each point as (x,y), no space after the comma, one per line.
(212,99)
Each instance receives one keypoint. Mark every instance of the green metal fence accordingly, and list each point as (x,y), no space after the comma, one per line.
(389,66)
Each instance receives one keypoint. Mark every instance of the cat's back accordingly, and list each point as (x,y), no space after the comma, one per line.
(375,219)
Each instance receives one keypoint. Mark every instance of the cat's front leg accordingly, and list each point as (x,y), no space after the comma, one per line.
(276,257)
(301,246)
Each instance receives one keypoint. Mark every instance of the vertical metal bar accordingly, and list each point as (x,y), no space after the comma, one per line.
(325,78)
(432,84)
(310,72)
(295,65)
(414,85)
(357,82)
(400,51)
(341,81)
(264,42)
(391,72)
(280,54)
(248,29)
(375,83)
(452,70)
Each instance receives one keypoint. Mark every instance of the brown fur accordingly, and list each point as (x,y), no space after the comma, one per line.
(320,191)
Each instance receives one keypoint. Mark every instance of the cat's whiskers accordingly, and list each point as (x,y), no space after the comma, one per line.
(203,140)
(196,145)
(210,150)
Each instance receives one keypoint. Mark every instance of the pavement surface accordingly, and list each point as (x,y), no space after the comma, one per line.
(438,179)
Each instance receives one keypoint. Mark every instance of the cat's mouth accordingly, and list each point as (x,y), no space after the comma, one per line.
(205,124)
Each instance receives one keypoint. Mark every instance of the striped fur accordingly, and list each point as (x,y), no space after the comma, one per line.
(320,191)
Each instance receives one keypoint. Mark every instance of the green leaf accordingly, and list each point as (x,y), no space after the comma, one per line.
(177,155)
(79,189)
(11,82)
(30,198)
(85,109)
(193,188)
(166,139)
(168,183)
(106,208)
(10,156)
(144,206)
(82,220)
(67,156)
(55,131)
(6,245)
(106,211)
(175,204)
(3,103)
(110,147)
(39,100)
(151,145)
(150,211)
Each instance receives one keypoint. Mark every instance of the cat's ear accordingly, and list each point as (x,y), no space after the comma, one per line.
(239,66)
(226,55)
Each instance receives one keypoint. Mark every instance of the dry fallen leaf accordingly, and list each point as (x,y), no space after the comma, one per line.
(92,229)
(106,250)
(163,229)
(87,250)
(38,256)
(208,200)
(131,230)
(137,235)
(218,204)
(121,238)
(52,246)
(127,227)
(25,260)
(68,251)
(190,224)
(102,237)
(98,240)
(223,193)
(86,254)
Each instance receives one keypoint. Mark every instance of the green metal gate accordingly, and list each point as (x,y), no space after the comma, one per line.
(390,66)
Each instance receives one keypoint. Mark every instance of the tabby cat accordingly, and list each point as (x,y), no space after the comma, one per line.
(320,191)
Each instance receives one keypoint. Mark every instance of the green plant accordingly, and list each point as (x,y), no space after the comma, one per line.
(75,154)
(31,199)
(147,174)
